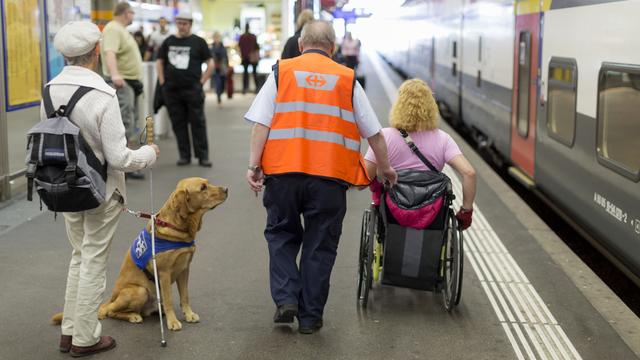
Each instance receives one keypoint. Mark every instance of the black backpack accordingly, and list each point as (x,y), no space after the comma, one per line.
(66,173)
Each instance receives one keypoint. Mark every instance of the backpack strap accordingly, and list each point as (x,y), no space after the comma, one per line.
(67,109)
(64,110)
(49,110)
(414,148)
(33,163)
(72,159)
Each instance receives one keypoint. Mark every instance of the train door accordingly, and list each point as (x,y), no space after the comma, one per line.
(525,91)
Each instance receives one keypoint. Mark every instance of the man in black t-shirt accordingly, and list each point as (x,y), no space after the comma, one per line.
(179,68)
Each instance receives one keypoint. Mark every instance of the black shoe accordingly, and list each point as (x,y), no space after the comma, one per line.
(310,329)
(136,175)
(205,163)
(285,314)
(183,162)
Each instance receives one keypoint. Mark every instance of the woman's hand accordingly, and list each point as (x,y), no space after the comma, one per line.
(390,175)
(464,218)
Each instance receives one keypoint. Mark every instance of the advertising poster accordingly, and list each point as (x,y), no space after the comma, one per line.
(22,53)
(60,12)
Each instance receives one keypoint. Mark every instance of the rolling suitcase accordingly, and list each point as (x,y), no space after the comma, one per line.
(230,82)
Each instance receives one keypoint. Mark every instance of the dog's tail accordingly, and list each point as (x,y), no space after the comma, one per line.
(57,319)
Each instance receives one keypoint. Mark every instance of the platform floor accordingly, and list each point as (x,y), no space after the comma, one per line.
(525,295)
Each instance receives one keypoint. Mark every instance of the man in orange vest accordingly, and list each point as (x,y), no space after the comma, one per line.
(305,150)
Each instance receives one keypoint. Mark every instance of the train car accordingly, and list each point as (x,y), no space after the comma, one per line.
(553,87)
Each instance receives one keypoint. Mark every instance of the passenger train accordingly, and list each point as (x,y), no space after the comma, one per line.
(552,86)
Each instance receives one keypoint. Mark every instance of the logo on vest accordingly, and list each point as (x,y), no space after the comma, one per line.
(316,81)
(141,246)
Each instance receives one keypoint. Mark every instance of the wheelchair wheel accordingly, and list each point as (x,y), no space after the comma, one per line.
(452,264)
(365,262)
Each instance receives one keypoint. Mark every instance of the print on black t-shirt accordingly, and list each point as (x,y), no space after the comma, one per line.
(179,56)
(183,58)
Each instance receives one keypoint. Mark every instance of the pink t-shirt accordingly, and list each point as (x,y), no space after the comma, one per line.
(436,145)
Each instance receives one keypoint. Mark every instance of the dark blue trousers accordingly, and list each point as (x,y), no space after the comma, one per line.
(322,204)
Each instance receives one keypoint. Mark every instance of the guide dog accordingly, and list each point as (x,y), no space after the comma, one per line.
(178,221)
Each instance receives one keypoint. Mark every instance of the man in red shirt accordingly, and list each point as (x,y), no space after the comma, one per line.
(249,51)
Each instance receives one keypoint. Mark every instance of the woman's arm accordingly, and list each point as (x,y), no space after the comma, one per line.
(462,166)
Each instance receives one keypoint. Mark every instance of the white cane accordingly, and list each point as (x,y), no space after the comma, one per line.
(149,129)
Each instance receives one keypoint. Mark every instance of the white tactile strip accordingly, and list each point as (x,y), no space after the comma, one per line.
(526,320)
(529,325)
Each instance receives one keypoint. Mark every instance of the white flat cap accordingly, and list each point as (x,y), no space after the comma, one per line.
(77,38)
(184,15)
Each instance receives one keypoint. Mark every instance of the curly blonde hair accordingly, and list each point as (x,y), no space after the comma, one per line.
(415,108)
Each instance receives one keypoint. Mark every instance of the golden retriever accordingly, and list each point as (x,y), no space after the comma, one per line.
(134,294)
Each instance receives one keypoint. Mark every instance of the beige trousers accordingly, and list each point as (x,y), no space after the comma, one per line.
(90,233)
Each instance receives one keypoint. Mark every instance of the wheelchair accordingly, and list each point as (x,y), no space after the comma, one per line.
(429,259)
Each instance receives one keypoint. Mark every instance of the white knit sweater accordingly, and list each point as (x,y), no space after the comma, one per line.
(97,114)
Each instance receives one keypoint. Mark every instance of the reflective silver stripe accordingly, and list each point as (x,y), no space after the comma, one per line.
(312,108)
(316,135)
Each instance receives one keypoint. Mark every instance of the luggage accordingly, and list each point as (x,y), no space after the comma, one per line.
(230,82)
(66,173)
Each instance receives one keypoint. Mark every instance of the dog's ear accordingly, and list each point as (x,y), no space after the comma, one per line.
(180,202)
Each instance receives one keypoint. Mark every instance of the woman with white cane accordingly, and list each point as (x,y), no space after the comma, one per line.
(90,232)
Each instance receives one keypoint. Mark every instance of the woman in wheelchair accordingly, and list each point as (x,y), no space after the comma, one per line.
(415,113)
(410,237)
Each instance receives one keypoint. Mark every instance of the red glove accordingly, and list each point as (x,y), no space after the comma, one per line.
(464,218)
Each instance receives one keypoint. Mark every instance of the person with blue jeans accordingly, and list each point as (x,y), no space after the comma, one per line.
(221,64)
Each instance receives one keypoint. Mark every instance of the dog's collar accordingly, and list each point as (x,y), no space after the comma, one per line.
(169,225)
(158,222)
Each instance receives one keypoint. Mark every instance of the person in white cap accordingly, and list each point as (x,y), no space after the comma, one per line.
(122,66)
(179,67)
(90,233)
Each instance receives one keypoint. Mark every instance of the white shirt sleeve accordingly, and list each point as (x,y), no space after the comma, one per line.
(264,105)
(114,142)
(366,119)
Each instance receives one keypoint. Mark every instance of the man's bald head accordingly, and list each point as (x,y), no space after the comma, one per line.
(318,34)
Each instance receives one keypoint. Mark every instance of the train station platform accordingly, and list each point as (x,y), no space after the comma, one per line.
(525,294)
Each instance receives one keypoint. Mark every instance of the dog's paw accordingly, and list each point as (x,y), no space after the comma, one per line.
(135,318)
(192,317)
(174,325)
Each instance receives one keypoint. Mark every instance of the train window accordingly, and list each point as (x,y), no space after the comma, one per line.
(455,49)
(618,125)
(524,73)
(479,48)
(561,105)
(479,79)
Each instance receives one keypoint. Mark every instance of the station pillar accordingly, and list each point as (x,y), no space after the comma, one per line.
(4,153)
(102,11)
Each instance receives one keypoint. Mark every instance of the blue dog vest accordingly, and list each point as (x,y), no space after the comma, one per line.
(141,248)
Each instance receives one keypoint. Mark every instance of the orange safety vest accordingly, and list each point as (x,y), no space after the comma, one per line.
(313,130)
